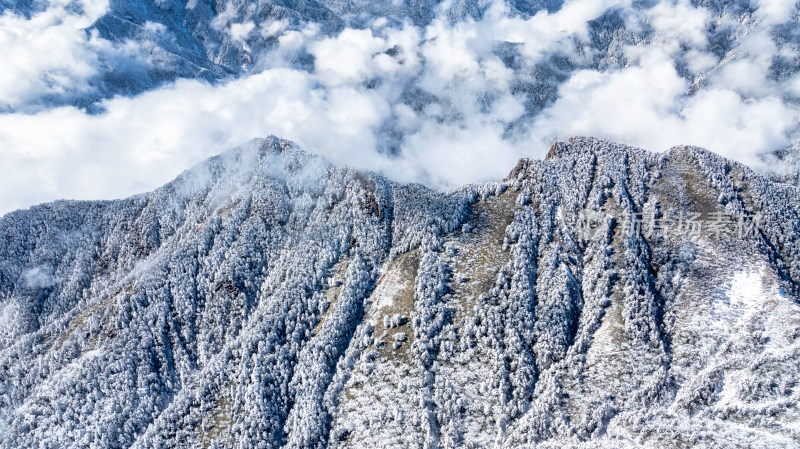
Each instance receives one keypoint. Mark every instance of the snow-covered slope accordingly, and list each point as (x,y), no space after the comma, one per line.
(266,298)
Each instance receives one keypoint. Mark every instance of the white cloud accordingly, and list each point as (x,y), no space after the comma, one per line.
(776,11)
(273,28)
(679,24)
(347,57)
(646,105)
(39,277)
(142,142)
(451,155)
(545,33)
(441,101)
(240,31)
(49,54)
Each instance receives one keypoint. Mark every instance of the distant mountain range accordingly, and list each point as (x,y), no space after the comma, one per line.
(195,40)
(712,44)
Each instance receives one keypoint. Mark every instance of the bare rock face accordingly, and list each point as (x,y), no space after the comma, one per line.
(605,296)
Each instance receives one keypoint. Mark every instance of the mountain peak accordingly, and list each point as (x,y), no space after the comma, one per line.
(269,297)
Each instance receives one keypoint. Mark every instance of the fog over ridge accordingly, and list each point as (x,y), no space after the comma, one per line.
(444,100)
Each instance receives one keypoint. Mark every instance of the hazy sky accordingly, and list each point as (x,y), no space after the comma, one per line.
(142,142)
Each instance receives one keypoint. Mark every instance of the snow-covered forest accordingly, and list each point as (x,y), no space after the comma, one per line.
(266,298)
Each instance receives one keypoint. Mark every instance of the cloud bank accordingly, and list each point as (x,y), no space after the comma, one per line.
(446,104)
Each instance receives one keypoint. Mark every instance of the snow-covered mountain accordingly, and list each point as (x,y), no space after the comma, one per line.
(213,39)
(267,298)
(222,39)
(219,39)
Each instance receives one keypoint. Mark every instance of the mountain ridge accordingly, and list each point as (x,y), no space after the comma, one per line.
(269,297)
